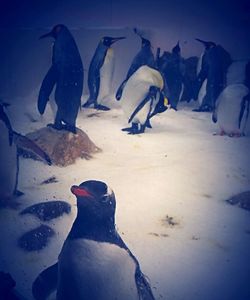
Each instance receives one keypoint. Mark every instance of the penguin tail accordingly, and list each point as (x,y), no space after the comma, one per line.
(45,283)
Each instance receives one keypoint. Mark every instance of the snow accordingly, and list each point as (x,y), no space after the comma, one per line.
(179,171)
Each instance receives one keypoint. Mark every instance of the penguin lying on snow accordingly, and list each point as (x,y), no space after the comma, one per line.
(144,57)
(143,97)
(9,159)
(94,262)
(100,73)
(66,73)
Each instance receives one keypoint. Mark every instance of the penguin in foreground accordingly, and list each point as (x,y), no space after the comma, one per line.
(100,74)
(142,97)
(10,140)
(144,57)
(94,263)
(66,73)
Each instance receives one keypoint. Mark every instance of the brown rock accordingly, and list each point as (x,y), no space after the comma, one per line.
(62,147)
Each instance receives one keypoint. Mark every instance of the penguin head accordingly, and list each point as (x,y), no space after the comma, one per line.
(206,44)
(176,49)
(95,201)
(144,42)
(56,30)
(108,41)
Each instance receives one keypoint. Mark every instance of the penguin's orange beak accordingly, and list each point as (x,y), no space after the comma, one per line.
(80,192)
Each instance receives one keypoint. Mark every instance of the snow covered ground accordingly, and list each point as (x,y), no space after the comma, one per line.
(170,185)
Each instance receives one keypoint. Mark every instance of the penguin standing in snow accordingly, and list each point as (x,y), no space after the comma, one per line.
(144,57)
(94,262)
(9,158)
(214,67)
(66,73)
(100,73)
(232,107)
(142,97)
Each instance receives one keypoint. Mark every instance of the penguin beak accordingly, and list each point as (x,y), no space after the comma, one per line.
(80,192)
(50,34)
(117,39)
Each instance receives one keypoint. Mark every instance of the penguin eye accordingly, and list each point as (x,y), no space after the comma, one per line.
(104,199)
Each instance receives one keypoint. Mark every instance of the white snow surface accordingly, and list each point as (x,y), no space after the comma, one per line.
(178,169)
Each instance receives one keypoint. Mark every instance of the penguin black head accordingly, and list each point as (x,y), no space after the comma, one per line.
(95,201)
(176,49)
(206,44)
(144,42)
(108,41)
(54,32)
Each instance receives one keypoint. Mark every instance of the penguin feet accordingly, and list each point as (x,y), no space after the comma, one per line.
(55,126)
(18,193)
(87,104)
(203,108)
(69,128)
(134,127)
(101,107)
(148,124)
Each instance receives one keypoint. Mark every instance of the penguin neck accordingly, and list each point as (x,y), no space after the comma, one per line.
(86,227)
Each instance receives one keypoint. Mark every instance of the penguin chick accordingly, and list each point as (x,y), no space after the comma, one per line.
(94,262)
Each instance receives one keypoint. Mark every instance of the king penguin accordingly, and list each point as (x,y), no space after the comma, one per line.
(144,57)
(232,108)
(142,97)
(100,74)
(66,73)
(214,66)
(94,262)
(10,140)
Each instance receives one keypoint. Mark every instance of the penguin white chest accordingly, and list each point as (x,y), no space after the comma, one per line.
(94,270)
(8,163)
(229,106)
(106,75)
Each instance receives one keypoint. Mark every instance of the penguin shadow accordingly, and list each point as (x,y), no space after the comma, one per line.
(241,200)
(38,238)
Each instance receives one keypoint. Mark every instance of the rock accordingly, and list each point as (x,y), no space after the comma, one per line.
(63,147)
(36,239)
(242,200)
(47,211)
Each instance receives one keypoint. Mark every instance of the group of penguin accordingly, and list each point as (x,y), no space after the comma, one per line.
(94,262)
(151,84)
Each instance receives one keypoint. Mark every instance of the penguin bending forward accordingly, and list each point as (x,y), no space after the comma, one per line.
(100,74)
(94,263)
(66,73)
(144,57)
(142,98)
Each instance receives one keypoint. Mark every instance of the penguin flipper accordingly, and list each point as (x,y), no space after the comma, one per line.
(47,86)
(242,109)
(45,283)
(120,90)
(25,143)
(151,93)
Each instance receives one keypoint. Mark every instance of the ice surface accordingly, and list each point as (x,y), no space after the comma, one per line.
(177,173)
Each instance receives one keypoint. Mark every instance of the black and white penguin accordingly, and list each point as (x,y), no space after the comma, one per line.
(94,262)
(213,69)
(142,97)
(232,107)
(10,140)
(144,57)
(173,70)
(66,73)
(100,74)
